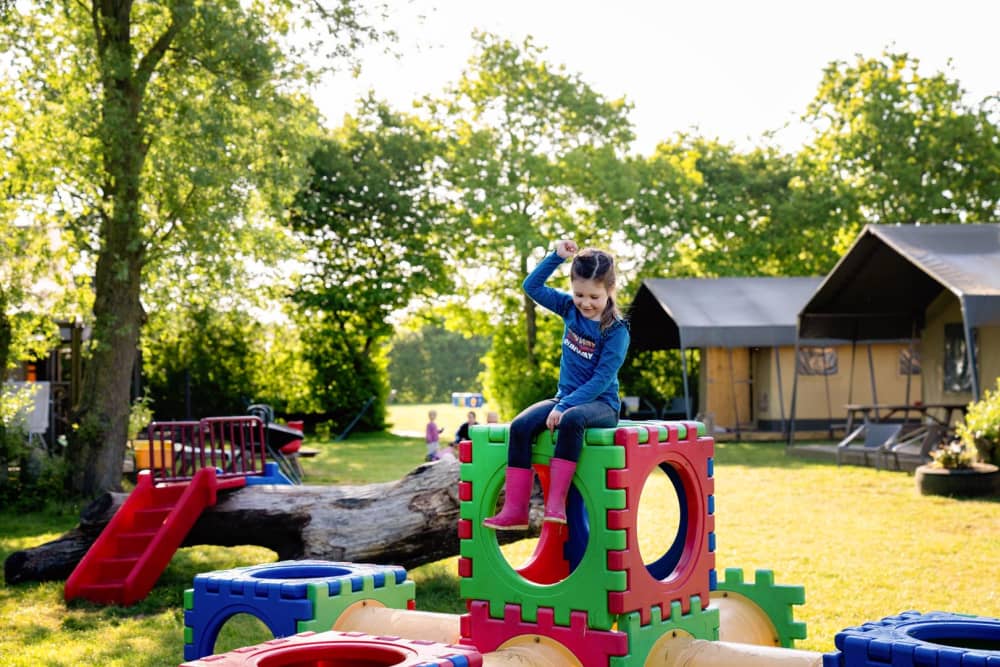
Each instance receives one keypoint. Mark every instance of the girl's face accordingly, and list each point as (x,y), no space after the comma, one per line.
(590,297)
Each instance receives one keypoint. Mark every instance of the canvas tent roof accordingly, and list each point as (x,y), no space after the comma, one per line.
(717,312)
(881,287)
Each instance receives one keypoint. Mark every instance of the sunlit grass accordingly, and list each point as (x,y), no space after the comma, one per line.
(362,458)
(380,457)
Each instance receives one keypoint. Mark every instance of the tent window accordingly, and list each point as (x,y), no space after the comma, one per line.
(909,362)
(817,361)
(957,377)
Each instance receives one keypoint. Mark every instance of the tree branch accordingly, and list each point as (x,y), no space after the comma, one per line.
(95,18)
(180,16)
(160,240)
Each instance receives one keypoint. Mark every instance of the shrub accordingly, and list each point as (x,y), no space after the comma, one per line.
(980,432)
(200,360)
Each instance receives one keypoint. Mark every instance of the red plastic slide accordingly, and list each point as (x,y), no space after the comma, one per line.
(135,547)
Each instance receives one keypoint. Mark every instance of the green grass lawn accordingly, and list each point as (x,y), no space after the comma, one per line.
(863,543)
(362,458)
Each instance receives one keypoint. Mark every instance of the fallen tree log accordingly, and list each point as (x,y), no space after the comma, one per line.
(407,522)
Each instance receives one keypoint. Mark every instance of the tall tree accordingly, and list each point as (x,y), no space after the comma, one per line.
(895,145)
(425,366)
(373,222)
(159,128)
(706,208)
(523,133)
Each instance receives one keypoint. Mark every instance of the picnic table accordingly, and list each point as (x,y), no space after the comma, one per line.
(942,413)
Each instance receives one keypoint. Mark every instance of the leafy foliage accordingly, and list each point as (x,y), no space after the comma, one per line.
(13,435)
(140,414)
(954,455)
(344,375)
(427,365)
(526,143)
(202,361)
(512,382)
(893,145)
(283,377)
(657,375)
(733,213)
(980,431)
(372,221)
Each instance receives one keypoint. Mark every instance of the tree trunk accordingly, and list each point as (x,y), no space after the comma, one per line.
(530,317)
(97,446)
(408,522)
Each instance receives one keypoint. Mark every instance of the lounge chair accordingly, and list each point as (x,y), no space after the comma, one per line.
(869,439)
(915,449)
(675,408)
(638,408)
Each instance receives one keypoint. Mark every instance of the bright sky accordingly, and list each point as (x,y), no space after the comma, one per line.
(731,68)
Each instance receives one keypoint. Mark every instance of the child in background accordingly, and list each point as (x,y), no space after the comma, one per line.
(447,451)
(432,435)
(463,431)
(595,340)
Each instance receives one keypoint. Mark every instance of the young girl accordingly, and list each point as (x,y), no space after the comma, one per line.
(595,340)
(431,435)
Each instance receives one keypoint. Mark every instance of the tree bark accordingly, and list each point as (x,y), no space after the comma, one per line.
(97,446)
(408,522)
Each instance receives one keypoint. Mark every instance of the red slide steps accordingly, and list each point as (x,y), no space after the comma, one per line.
(135,547)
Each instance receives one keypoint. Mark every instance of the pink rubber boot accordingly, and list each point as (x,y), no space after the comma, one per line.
(560,477)
(514,515)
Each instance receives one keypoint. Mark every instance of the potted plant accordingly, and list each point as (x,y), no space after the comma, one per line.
(954,455)
(965,466)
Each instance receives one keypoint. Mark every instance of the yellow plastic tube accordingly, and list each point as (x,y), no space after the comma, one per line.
(742,620)
(685,651)
(374,619)
(531,651)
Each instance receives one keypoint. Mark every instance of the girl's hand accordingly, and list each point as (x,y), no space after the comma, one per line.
(552,421)
(566,248)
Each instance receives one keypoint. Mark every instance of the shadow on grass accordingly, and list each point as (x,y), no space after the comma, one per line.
(438,589)
(23,530)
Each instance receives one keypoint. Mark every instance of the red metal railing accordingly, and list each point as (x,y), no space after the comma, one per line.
(176,450)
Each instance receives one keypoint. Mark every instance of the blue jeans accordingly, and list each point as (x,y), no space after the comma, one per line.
(569,441)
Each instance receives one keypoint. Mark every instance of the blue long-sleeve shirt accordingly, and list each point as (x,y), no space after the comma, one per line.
(588,369)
